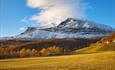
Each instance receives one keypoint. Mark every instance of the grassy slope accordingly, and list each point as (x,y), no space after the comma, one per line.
(97,48)
(95,61)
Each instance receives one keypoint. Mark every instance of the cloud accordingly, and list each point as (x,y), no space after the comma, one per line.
(25,20)
(22,28)
(55,11)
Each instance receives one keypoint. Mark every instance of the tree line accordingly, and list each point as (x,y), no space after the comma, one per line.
(50,51)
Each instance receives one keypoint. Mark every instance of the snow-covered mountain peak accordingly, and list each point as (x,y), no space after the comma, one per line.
(69,28)
(77,23)
(29,29)
(71,23)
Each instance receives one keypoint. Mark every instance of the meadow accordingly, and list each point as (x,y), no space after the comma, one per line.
(93,61)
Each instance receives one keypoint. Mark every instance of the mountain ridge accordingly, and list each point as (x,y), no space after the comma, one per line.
(69,28)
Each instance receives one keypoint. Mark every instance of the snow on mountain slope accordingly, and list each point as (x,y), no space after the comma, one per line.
(70,28)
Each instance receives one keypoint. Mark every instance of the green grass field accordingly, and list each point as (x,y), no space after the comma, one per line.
(94,61)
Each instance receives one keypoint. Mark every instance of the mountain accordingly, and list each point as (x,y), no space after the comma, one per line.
(107,43)
(69,28)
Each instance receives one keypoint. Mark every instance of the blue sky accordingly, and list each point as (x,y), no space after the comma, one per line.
(13,11)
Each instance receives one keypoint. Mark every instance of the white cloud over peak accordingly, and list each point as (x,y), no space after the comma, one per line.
(25,20)
(54,11)
(22,28)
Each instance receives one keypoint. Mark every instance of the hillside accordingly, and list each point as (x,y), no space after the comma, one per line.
(67,43)
(107,43)
(19,48)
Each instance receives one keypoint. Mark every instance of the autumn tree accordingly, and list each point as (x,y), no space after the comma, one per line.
(6,53)
(34,52)
(44,52)
(55,50)
(28,53)
(2,50)
(22,52)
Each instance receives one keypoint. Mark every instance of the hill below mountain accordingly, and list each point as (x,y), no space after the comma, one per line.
(107,43)
(15,49)
(67,43)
